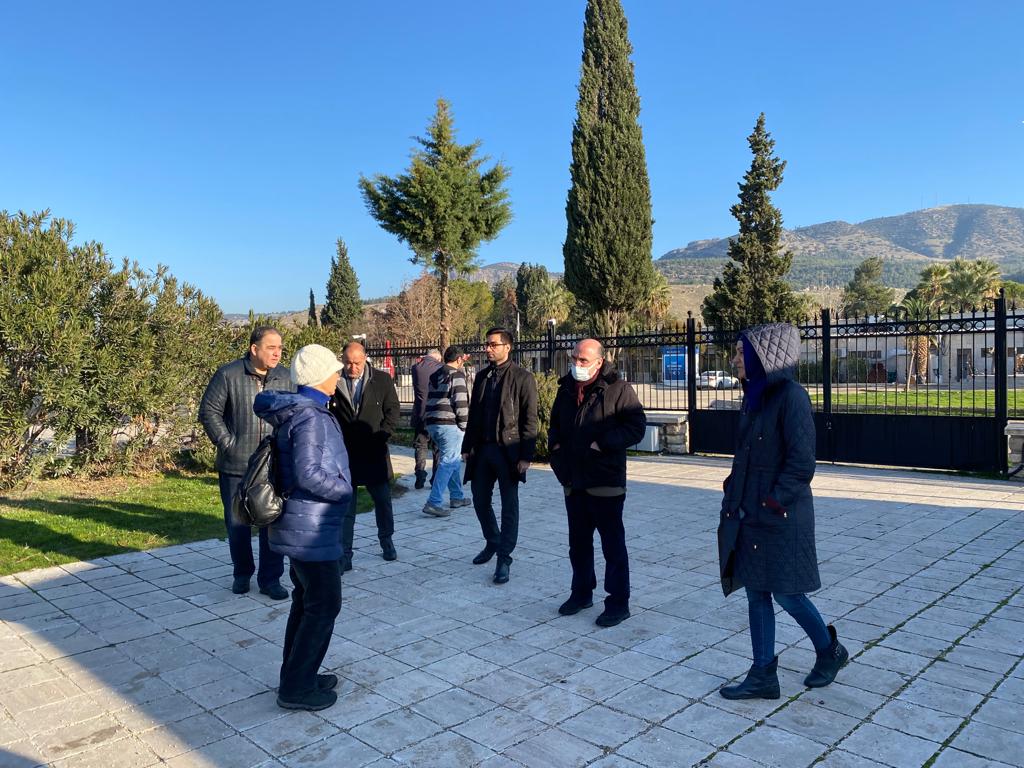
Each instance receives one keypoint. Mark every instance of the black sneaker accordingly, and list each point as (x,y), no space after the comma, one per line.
(274,591)
(326,682)
(484,555)
(574,605)
(311,702)
(240,585)
(612,616)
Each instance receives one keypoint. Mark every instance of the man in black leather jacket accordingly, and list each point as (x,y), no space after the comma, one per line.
(499,444)
(227,416)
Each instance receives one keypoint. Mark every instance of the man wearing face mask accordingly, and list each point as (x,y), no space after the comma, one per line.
(595,418)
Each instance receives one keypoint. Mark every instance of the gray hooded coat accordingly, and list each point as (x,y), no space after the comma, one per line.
(766,529)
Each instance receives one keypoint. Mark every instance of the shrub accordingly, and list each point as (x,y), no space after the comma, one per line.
(547,388)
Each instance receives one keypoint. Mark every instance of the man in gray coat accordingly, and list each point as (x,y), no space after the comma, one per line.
(227,416)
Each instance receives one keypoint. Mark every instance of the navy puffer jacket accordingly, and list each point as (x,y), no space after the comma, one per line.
(313,472)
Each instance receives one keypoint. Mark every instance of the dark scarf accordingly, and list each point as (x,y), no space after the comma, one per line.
(755,380)
(581,387)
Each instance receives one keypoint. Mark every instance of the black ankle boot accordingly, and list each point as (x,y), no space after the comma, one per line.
(829,662)
(760,683)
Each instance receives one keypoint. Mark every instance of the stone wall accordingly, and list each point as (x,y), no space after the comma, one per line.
(1015,443)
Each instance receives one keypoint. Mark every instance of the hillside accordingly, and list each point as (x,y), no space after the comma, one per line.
(826,254)
(492,273)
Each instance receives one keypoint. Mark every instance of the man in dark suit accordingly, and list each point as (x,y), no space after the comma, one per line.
(366,405)
(499,444)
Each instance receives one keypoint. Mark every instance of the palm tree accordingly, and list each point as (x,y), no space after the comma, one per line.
(932,287)
(552,301)
(990,278)
(917,308)
(657,303)
(971,283)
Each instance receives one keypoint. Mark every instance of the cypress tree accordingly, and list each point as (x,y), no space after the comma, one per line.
(444,206)
(607,247)
(752,288)
(313,319)
(342,307)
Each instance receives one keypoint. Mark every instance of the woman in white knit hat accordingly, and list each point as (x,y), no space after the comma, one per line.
(313,475)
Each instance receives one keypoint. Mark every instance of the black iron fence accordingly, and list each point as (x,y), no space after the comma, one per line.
(964,364)
(904,391)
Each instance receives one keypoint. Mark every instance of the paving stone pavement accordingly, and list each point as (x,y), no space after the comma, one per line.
(148,659)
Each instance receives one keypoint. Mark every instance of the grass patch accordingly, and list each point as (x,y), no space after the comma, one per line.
(981,402)
(403,436)
(62,521)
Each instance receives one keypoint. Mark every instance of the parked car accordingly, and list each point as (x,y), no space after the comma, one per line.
(717,380)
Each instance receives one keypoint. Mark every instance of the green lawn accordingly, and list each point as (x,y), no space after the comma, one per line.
(62,521)
(979,402)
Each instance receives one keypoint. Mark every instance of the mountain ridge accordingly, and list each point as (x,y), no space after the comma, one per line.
(827,253)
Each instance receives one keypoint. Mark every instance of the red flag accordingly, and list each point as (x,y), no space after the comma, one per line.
(389,364)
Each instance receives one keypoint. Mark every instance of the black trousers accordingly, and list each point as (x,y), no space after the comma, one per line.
(240,541)
(382,509)
(316,602)
(423,448)
(490,466)
(604,514)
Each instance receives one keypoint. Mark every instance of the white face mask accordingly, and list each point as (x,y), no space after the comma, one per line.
(581,373)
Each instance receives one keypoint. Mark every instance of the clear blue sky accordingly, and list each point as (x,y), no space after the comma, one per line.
(224,139)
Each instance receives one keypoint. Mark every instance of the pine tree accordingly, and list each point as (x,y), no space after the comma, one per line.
(313,319)
(752,288)
(506,304)
(443,207)
(607,247)
(342,307)
(530,282)
(866,294)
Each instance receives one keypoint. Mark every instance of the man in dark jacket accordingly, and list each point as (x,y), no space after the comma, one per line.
(424,368)
(595,418)
(312,468)
(227,416)
(366,405)
(500,440)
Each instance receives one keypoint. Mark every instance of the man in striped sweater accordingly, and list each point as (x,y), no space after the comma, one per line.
(445,419)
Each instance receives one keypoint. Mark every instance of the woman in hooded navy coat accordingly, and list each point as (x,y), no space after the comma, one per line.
(766,530)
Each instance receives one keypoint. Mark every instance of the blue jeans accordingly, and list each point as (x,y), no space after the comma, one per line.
(240,541)
(762,622)
(448,439)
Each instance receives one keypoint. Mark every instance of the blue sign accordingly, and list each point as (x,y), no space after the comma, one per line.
(673,365)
